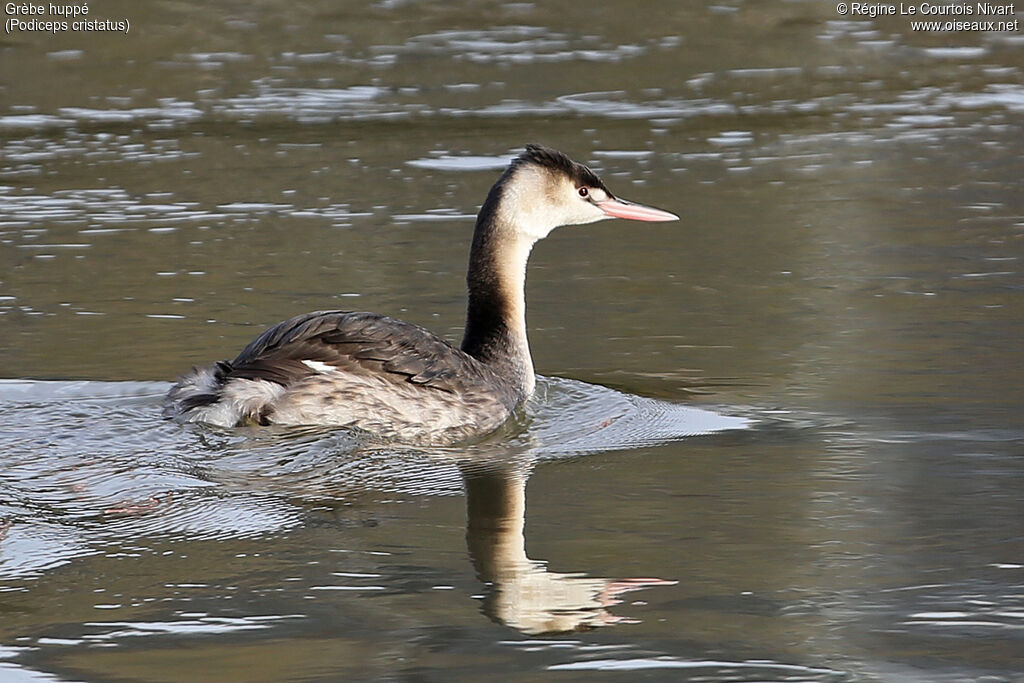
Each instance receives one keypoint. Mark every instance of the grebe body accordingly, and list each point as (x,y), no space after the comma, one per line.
(399,381)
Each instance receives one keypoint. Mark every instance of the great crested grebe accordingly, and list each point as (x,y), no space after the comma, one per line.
(399,381)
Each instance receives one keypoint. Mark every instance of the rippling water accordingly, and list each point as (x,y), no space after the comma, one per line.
(97,453)
(780,440)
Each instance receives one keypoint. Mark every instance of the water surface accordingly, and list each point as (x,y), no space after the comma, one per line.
(779,440)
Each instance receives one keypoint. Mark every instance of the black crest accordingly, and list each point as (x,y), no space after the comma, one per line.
(558,162)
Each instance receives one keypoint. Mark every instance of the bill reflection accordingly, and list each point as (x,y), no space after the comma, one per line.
(522,593)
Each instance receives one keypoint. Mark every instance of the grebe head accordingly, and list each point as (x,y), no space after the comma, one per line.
(544,189)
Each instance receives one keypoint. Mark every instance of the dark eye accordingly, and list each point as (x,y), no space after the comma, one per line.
(583,192)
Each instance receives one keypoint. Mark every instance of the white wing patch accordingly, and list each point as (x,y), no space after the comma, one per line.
(319,366)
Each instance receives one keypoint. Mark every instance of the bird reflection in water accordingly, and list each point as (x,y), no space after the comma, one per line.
(522,593)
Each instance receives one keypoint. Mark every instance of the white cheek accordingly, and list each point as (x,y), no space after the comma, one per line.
(581,212)
(592,214)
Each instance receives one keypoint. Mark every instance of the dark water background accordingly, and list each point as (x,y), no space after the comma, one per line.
(806,465)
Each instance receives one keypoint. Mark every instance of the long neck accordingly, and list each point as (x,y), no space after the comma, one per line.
(496,316)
